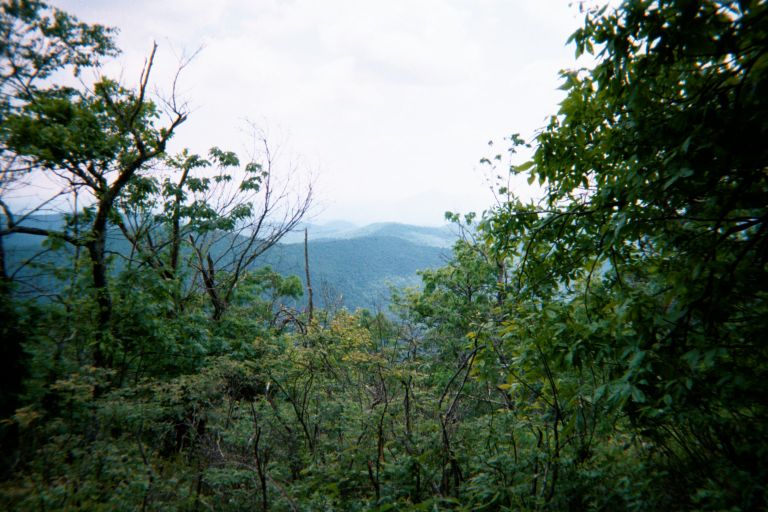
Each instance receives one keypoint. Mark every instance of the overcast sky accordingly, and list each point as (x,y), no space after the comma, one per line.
(390,104)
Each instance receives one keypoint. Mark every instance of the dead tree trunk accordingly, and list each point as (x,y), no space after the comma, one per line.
(310,304)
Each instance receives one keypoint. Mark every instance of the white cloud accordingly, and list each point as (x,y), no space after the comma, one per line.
(395,99)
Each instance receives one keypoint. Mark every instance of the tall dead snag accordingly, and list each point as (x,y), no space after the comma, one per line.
(234,216)
(310,304)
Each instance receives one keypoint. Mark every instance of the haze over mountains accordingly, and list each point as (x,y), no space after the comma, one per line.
(351,266)
(421,235)
(357,266)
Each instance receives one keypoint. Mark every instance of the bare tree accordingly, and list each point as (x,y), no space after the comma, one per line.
(217,217)
(259,209)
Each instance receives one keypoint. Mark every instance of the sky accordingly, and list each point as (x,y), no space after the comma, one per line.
(388,105)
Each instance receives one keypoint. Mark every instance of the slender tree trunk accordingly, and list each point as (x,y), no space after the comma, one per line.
(176,224)
(310,305)
(219,304)
(97,251)
(97,254)
(501,279)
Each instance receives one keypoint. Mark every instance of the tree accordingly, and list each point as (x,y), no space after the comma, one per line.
(221,217)
(93,141)
(655,178)
(37,42)
(97,142)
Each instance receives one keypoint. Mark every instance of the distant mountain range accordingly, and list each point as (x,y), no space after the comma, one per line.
(443,236)
(357,271)
(351,266)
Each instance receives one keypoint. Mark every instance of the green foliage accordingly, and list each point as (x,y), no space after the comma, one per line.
(653,230)
(602,350)
(63,128)
(39,41)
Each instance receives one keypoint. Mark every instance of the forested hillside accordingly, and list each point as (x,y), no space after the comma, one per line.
(357,272)
(353,268)
(600,349)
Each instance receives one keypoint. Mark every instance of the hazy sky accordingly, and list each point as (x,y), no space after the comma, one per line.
(390,104)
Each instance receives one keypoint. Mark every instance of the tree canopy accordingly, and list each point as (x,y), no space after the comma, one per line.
(599,349)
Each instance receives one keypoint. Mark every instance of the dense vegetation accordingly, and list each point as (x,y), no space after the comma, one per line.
(599,350)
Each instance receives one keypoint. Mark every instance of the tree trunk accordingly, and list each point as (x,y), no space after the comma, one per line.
(310,305)
(176,222)
(97,254)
